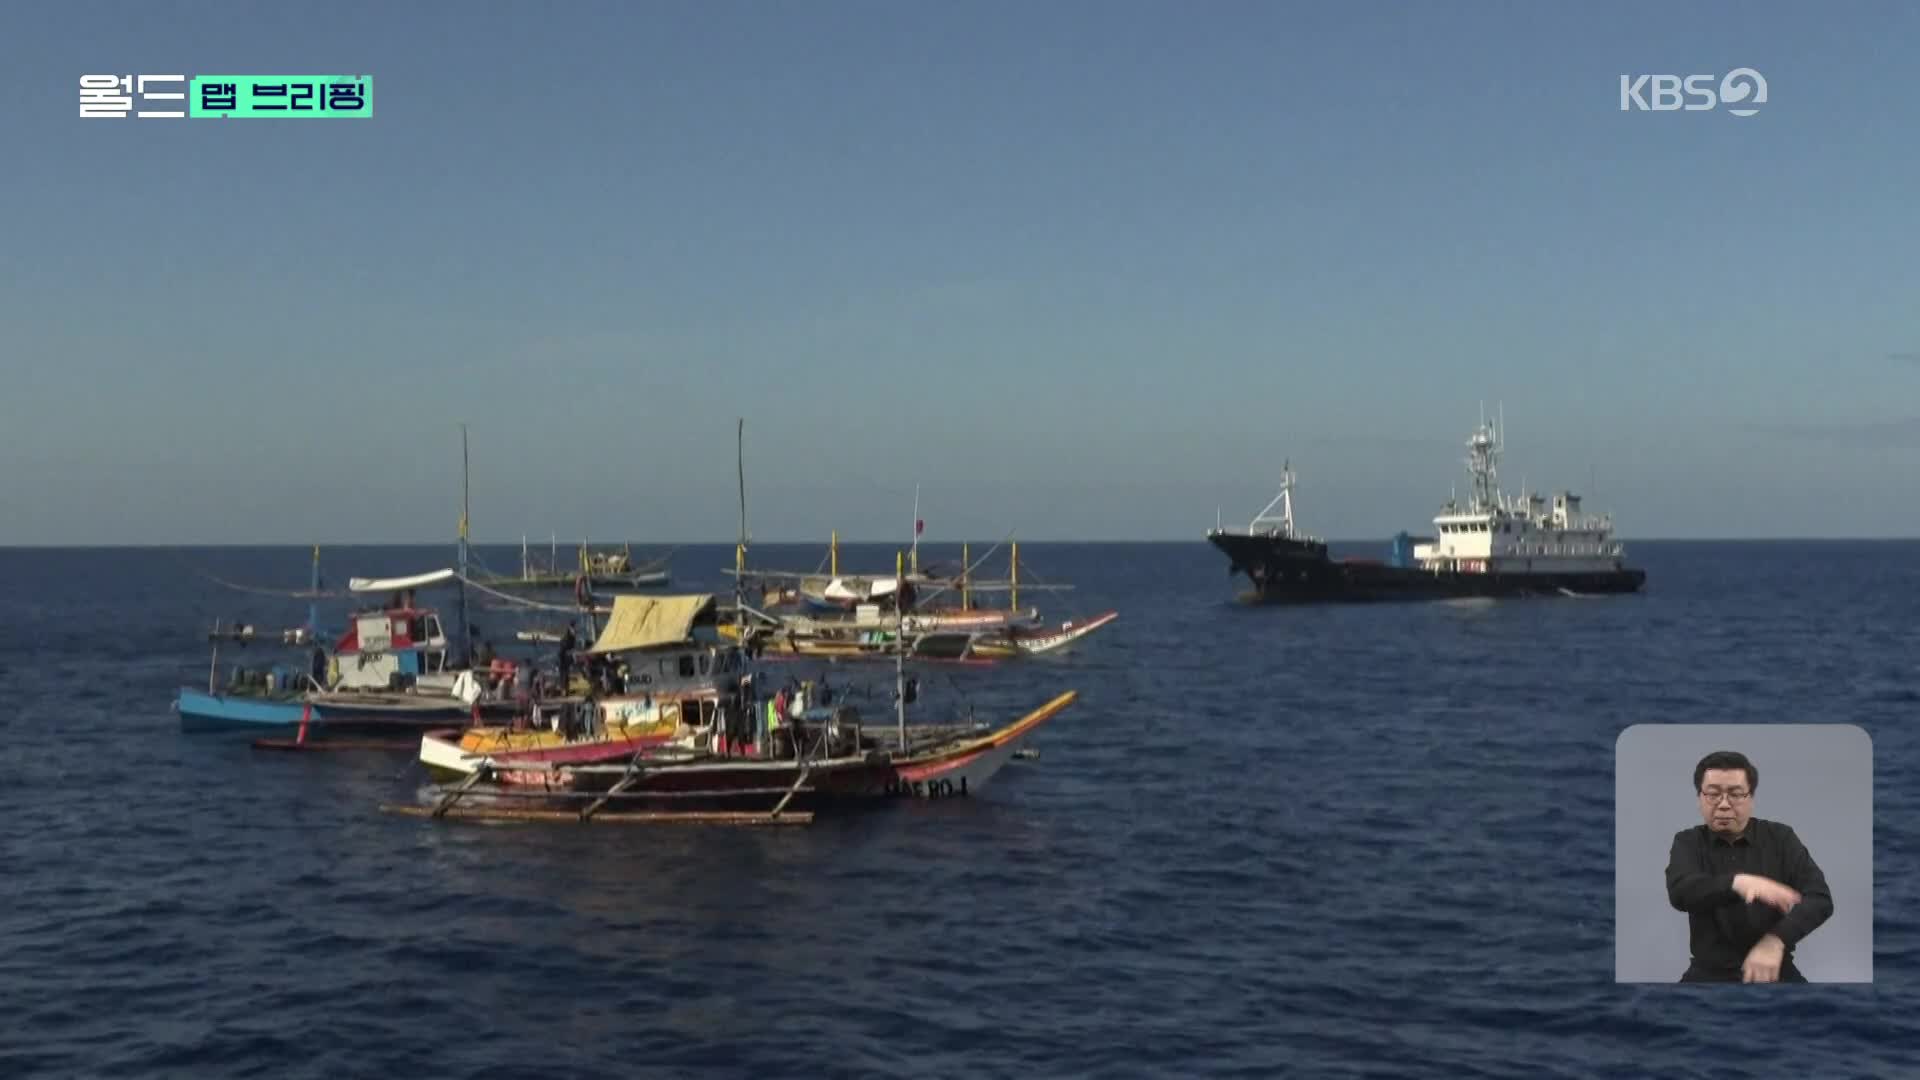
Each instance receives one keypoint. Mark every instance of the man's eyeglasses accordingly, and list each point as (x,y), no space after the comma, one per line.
(1714,795)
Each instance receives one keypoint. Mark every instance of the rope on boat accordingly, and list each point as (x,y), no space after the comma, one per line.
(294,594)
(520,600)
(967,571)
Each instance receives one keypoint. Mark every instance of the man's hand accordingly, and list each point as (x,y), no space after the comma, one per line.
(1763,960)
(1756,889)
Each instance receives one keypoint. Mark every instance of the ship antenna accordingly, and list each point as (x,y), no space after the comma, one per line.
(1286,488)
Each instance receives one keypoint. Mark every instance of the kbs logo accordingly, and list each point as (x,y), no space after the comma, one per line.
(1743,90)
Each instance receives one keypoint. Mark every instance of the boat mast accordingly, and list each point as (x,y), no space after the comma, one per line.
(1482,453)
(833,553)
(462,646)
(966,592)
(1286,495)
(740,583)
(313,602)
(1013,604)
(916,528)
(1284,500)
(900,647)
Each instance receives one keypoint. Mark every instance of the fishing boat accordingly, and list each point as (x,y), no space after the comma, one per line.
(802,638)
(1489,545)
(682,735)
(390,670)
(395,669)
(606,569)
(684,730)
(1037,641)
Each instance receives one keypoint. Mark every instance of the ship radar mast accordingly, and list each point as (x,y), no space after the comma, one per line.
(1483,453)
(1284,501)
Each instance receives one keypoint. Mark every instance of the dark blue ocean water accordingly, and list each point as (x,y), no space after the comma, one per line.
(1319,842)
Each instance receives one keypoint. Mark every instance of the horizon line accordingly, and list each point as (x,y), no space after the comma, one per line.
(291,544)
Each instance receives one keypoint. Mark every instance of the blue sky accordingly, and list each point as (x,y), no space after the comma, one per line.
(1079,270)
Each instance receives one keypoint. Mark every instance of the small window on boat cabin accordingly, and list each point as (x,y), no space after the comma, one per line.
(686,666)
(417,629)
(706,663)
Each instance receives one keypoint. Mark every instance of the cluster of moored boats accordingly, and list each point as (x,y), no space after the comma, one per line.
(675,707)
(647,706)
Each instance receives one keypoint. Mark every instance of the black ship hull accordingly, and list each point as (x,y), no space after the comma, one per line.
(1289,571)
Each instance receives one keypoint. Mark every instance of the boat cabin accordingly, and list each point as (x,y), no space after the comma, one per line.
(386,648)
(657,674)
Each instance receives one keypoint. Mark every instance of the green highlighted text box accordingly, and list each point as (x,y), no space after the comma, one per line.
(280,96)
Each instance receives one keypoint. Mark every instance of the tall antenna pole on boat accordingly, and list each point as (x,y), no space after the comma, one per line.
(916,528)
(461,646)
(833,553)
(761,735)
(900,646)
(740,548)
(966,592)
(313,602)
(1013,563)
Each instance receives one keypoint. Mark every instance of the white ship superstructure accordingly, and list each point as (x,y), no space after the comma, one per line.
(1495,533)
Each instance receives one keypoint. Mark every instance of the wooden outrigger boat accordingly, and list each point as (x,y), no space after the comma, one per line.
(683,731)
(874,627)
(390,672)
(680,734)
(606,569)
(395,670)
(802,639)
(834,592)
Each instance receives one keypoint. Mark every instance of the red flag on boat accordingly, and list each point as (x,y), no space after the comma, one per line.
(919,526)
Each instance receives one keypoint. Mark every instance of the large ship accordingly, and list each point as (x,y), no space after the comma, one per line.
(1491,545)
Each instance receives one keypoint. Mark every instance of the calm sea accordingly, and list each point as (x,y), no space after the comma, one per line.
(1318,842)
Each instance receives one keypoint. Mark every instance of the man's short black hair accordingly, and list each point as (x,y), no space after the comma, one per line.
(1727,759)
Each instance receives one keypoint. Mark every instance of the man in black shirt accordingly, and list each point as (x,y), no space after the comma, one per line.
(1749,887)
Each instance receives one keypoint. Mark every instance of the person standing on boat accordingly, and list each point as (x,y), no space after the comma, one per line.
(318,668)
(568,642)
